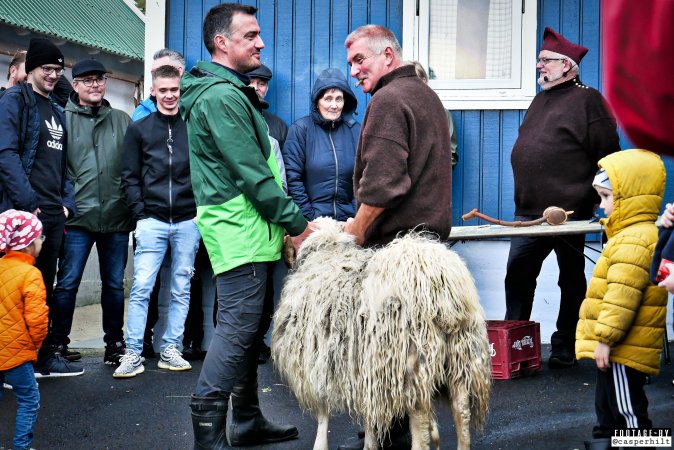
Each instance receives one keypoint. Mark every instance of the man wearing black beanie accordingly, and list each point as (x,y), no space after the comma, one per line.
(33,171)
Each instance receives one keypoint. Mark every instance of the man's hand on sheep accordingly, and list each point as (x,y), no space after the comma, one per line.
(365,217)
(351,227)
(297,240)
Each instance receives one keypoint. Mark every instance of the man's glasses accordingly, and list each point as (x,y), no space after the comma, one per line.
(88,82)
(545,61)
(52,70)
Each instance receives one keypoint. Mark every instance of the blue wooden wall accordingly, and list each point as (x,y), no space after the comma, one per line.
(303,37)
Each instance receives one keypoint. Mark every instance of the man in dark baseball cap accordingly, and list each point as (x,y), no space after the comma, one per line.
(261,72)
(259,79)
(89,83)
(88,67)
(104,218)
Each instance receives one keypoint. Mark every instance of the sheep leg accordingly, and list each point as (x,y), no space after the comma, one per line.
(370,442)
(321,442)
(461,413)
(420,427)
(435,435)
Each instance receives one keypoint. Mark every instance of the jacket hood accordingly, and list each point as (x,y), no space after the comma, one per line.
(73,104)
(150,103)
(638,181)
(144,108)
(333,79)
(204,75)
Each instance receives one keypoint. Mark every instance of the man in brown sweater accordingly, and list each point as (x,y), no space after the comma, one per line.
(566,130)
(403,171)
(402,176)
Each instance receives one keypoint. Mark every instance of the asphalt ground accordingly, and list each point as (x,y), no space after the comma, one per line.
(552,410)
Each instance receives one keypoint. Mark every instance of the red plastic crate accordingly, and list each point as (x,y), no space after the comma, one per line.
(515,348)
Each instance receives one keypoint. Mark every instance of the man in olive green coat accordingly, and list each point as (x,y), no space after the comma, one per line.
(95,137)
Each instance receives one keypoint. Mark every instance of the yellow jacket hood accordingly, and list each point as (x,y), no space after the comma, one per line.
(622,308)
(638,181)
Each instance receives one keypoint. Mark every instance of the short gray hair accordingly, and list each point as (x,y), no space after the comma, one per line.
(378,38)
(173,55)
(419,69)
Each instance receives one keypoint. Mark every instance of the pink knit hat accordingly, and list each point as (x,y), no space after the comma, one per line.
(18,229)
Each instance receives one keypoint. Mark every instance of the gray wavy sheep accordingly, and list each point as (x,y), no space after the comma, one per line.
(381,333)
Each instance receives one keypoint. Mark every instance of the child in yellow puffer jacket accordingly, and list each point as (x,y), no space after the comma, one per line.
(622,318)
(23,316)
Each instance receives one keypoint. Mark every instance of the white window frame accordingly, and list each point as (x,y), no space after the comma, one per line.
(516,93)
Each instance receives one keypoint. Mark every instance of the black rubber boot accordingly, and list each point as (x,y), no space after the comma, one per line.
(249,427)
(598,444)
(209,420)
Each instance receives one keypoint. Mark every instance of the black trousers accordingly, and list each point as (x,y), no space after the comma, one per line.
(53,227)
(620,400)
(524,265)
(194,323)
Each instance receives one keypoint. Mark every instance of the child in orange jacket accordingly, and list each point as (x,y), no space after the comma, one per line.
(23,316)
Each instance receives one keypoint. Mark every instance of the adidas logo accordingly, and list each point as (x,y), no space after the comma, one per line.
(56,132)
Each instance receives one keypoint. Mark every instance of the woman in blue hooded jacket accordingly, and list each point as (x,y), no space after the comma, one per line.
(320,150)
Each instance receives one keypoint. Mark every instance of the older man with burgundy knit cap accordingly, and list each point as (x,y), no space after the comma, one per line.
(566,130)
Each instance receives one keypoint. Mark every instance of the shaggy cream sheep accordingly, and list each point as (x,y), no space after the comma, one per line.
(380,333)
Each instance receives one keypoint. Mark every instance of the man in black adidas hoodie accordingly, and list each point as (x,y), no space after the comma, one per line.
(158,188)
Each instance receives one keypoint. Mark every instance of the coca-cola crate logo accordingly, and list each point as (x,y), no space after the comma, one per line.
(526,341)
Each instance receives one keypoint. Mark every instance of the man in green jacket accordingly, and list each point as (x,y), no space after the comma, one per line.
(95,150)
(242,212)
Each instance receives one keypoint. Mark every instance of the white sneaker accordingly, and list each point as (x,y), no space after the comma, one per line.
(130,365)
(172,359)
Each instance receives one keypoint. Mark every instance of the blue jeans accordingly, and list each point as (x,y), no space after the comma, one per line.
(24,387)
(245,304)
(112,257)
(153,238)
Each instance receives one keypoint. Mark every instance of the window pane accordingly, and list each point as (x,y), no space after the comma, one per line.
(470,39)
